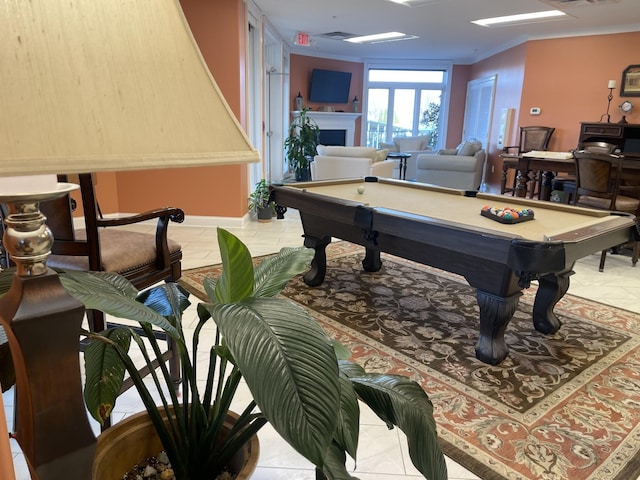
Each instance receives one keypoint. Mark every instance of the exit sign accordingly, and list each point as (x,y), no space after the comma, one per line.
(302,39)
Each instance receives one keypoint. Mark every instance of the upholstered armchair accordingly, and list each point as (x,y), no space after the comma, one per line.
(334,162)
(460,167)
(414,146)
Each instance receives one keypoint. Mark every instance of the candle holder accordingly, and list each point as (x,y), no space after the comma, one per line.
(609,98)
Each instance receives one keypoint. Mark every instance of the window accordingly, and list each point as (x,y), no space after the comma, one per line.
(404,102)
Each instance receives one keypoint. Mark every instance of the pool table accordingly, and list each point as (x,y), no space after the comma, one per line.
(443,228)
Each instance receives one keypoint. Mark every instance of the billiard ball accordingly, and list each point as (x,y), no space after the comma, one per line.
(360,189)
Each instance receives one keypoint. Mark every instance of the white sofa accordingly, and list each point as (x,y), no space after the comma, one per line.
(350,162)
(414,146)
(460,167)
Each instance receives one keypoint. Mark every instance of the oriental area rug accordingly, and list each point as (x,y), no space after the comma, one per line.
(560,407)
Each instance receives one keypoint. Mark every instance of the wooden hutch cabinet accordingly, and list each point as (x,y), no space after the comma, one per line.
(625,135)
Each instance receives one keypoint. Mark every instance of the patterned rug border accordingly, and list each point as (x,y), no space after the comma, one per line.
(455,446)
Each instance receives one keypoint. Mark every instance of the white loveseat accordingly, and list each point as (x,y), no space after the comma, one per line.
(460,167)
(350,162)
(414,146)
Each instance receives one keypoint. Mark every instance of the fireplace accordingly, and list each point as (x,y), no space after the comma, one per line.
(335,125)
(333,137)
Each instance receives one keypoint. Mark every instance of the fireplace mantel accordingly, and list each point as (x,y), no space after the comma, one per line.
(335,121)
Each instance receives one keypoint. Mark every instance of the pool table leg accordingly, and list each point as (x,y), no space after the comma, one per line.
(315,275)
(371,261)
(495,314)
(551,288)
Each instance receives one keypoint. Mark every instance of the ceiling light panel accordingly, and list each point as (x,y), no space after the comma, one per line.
(578,3)
(415,3)
(522,18)
(381,37)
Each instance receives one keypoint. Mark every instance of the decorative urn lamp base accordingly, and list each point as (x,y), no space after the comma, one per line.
(43,323)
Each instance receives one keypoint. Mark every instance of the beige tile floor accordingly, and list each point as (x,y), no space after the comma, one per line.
(382,454)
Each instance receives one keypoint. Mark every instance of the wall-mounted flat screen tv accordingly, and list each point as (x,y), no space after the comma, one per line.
(329,86)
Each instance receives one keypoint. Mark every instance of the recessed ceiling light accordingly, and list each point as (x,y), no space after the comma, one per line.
(521,18)
(381,37)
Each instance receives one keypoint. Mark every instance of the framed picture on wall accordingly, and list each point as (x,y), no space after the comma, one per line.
(630,85)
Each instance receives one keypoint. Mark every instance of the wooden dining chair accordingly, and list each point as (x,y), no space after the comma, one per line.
(107,245)
(531,138)
(567,183)
(598,185)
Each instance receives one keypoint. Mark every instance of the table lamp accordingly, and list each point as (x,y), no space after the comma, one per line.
(87,86)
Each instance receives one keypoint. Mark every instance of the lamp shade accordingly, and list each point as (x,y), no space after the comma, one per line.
(96,85)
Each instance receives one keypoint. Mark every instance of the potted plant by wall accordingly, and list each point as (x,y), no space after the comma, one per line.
(259,201)
(301,144)
(292,368)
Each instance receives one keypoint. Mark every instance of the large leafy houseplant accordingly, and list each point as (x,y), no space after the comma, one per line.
(301,143)
(290,365)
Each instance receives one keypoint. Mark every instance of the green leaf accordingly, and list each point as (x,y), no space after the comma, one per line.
(114,295)
(104,371)
(402,402)
(289,365)
(342,352)
(273,273)
(334,467)
(6,279)
(348,428)
(236,280)
(209,284)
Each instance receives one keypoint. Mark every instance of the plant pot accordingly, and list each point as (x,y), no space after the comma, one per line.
(133,439)
(264,213)
(303,174)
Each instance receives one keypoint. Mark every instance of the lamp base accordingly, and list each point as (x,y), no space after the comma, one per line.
(43,324)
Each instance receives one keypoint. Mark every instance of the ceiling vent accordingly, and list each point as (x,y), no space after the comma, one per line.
(336,35)
(578,3)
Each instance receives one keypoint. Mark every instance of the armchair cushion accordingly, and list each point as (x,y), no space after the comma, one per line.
(338,151)
(468,148)
(140,251)
(405,144)
(348,162)
(380,155)
(326,167)
(447,151)
(454,171)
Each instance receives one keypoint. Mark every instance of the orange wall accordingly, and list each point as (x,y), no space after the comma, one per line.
(219,28)
(509,68)
(301,67)
(561,78)
(555,75)
(459,77)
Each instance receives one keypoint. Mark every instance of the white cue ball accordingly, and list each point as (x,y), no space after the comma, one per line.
(360,189)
